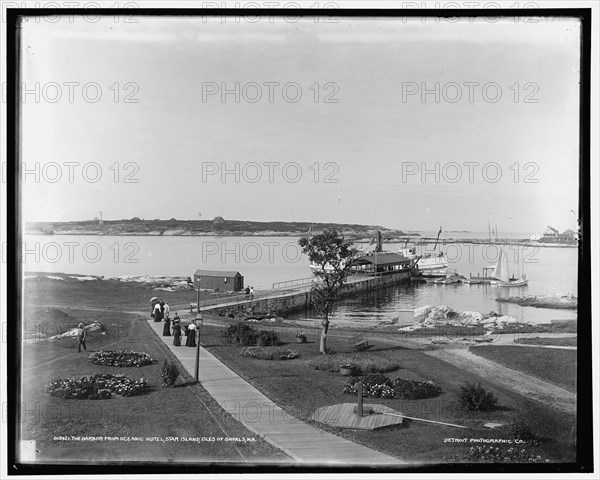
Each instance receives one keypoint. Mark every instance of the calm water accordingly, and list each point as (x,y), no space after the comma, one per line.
(265,260)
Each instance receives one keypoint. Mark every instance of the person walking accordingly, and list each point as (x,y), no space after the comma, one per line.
(247,292)
(81,336)
(191,335)
(153,302)
(167,327)
(157,313)
(251,293)
(176,331)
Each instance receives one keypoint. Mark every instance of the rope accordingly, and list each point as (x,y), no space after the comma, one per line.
(423,420)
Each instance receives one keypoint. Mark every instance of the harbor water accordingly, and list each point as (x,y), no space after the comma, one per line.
(264,261)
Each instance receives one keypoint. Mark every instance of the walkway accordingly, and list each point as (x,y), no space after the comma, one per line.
(302,442)
(241,299)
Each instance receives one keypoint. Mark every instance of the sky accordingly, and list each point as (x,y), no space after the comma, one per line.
(405,124)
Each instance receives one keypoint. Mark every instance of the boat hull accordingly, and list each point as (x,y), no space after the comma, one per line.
(516,283)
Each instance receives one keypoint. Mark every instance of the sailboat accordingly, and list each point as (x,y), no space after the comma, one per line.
(500,274)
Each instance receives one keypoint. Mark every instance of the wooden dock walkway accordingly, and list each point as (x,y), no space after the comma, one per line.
(274,293)
(302,442)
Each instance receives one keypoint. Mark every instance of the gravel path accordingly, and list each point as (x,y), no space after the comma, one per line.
(527,385)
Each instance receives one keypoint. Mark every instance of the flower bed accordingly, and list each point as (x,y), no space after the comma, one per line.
(96,387)
(269,353)
(413,389)
(490,454)
(364,363)
(380,386)
(373,386)
(120,358)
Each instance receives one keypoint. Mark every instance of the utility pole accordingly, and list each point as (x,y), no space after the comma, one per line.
(199,323)
(198,296)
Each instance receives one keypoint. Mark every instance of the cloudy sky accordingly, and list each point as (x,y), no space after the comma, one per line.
(406,124)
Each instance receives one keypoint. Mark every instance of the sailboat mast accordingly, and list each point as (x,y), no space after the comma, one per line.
(438,238)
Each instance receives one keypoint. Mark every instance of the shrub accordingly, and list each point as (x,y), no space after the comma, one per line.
(269,353)
(375,364)
(240,334)
(96,387)
(521,431)
(267,338)
(413,389)
(245,335)
(373,386)
(120,358)
(169,374)
(325,363)
(476,398)
(365,363)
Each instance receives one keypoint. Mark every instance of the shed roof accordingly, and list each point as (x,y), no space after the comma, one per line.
(382,259)
(216,273)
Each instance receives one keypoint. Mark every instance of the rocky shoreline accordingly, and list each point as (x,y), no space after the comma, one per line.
(215,227)
(428,317)
(564,301)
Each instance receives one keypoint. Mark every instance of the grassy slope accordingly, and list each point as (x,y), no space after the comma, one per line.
(554,365)
(301,390)
(107,294)
(162,412)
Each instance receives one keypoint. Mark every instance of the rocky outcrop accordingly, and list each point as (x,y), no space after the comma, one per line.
(560,301)
(429,317)
(166,283)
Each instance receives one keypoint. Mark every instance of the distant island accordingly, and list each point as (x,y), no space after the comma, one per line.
(215,227)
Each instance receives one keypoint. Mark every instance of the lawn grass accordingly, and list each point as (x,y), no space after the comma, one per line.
(300,390)
(185,410)
(562,342)
(109,294)
(291,384)
(557,366)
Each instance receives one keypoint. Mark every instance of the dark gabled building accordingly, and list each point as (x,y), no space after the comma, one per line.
(218,280)
(382,263)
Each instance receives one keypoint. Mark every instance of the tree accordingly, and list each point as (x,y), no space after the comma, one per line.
(334,257)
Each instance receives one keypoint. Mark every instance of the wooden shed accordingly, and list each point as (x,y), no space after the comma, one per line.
(218,280)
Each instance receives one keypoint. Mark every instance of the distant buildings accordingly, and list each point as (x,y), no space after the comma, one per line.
(552,235)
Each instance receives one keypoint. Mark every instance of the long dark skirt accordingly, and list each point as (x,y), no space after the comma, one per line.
(167,328)
(157,315)
(191,339)
(177,336)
